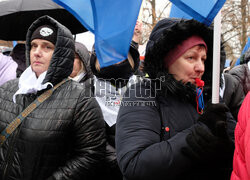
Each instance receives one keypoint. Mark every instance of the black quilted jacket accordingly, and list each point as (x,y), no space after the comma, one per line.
(64,138)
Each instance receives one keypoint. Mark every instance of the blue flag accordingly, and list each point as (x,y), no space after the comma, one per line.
(112,22)
(203,10)
(175,12)
(243,51)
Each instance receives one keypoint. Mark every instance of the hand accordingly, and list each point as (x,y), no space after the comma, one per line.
(203,145)
(215,118)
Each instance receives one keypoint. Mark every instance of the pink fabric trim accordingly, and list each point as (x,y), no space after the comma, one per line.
(182,48)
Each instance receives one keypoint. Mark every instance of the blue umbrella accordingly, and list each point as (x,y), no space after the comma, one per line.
(203,11)
(112,22)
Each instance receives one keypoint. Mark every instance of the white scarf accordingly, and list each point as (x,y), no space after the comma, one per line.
(109,98)
(29,83)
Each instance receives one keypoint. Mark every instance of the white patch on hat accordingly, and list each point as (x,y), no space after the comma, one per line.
(46,31)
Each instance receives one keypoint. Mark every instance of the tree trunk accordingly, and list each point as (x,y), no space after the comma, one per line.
(154,19)
(244,22)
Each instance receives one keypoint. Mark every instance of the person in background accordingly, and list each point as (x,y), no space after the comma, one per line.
(232,93)
(110,83)
(231,89)
(81,69)
(18,55)
(165,132)
(6,51)
(136,41)
(241,161)
(137,34)
(242,71)
(7,68)
(64,136)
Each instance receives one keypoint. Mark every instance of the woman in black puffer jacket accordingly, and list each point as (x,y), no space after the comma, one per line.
(64,137)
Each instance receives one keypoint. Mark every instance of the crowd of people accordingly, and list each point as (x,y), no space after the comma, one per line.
(62,116)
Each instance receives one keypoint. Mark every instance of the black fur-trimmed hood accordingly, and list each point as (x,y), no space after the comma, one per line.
(61,64)
(165,36)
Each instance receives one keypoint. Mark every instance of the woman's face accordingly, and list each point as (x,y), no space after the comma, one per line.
(189,65)
(40,55)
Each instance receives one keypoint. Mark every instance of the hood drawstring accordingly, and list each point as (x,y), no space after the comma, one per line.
(199,95)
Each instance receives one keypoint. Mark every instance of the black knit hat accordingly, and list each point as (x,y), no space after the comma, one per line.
(46,32)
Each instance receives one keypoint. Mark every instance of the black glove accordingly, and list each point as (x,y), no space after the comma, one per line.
(201,143)
(204,146)
(215,118)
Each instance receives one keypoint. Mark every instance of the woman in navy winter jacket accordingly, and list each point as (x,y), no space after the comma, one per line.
(162,131)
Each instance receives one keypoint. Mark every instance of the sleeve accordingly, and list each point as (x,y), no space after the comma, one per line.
(236,98)
(244,116)
(7,68)
(88,151)
(140,152)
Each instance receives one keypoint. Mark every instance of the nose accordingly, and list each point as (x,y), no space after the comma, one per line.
(199,66)
(37,51)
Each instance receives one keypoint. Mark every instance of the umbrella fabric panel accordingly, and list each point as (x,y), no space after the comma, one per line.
(12,6)
(204,11)
(17,15)
(14,26)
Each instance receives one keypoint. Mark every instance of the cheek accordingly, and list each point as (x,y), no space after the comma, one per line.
(31,57)
(182,73)
(187,72)
(49,58)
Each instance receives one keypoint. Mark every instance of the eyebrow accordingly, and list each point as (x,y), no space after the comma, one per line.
(43,43)
(195,53)
(199,50)
(46,43)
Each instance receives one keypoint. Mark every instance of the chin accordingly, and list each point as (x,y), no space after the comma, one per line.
(38,71)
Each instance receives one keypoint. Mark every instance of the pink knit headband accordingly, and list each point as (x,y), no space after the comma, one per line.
(180,49)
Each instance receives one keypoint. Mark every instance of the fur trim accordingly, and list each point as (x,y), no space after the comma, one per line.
(169,38)
(170,86)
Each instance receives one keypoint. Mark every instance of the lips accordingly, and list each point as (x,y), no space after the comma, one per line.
(37,62)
